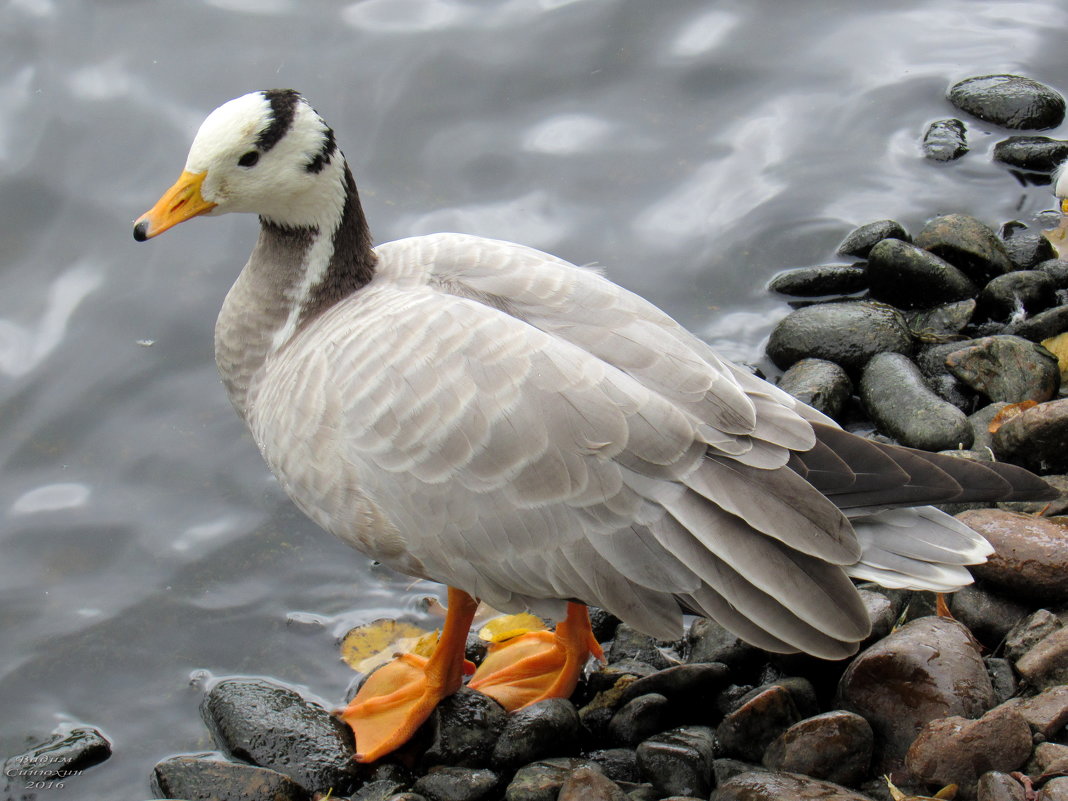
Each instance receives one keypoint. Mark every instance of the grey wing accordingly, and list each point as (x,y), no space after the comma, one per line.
(504,459)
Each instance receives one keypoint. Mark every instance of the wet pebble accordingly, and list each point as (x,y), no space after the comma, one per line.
(749,729)
(1006,368)
(996,786)
(618,764)
(1033,153)
(1047,712)
(988,615)
(1048,758)
(945,140)
(274,727)
(980,422)
(1029,631)
(1012,101)
(940,322)
(1057,269)
(65,753)
(819,383)
(1002,678)
(776,786)
(836,746)
(899,401)
(547,728)
(812,282)
(586,784)
(679,762)
(378,790)
(711,642)
(542,780)
(861,240)
(1017,293)
(848,334)
(1046,663)
(882,613)
(457,784)
(629,643)
(1025,247)
(968,244)
(1035,438)
(464,729)
(640,718)
(929,668)
(909,277)
(932,363)
(1041,326)
(197,778)
(692,687)
(1030,559)
(955,750)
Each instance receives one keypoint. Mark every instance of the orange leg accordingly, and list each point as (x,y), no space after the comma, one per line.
(398,697)
(540,664)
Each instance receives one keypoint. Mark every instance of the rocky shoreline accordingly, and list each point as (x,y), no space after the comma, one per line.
(946,339)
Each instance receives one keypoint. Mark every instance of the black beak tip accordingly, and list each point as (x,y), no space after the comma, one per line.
(141,231)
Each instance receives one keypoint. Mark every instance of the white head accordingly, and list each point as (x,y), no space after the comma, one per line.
(1060,185)
(267,153)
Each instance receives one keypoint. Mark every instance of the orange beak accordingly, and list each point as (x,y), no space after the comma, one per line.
(178,204)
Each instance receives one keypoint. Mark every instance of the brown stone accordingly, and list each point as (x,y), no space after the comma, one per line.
(586,784)
(927,669)
(1047,712)
(750,728)
(1030,556)
(956,750)
(761,786)
(1035,438)
(997,786)
(1046,664)
(835,746)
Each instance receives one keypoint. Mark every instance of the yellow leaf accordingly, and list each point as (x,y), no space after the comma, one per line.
(505,628)
(368,646)
(1058,346)
(1006,413)
(1056,236)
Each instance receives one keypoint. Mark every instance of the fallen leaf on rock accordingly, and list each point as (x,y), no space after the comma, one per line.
(947,793)
(366,647)
(1008,412)
(509,626)
(1058,346)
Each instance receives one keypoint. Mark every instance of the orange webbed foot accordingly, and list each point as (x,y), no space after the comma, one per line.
(399,696)
(539,664)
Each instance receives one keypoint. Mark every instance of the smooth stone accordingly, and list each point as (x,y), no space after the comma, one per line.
(882,613)
(586,784)
(945,140)
(995,786)
(848,334)
(407,796)
(912,278)
(679,762)
(1057,269)
(768,786)
(457,784)
(710,642)
(897,398)
(65,753)
(1054,790)
(1002,678)
(1046,663)
(1007,368)
(931,360)
(378,790)
(640,718)
(987,615)
(1048,758)
(1029,291)
(542,780)
(1027,248)
(814,282)
(966,243)
(618,764)
(861,240)
(694,685)
(927,669)
(1035,438)
(606,686)
(1047,712)
(272,726)
(980,422)
(745,732)
(196,778)
(547,728)
(603,623)
(1029,631)
(1030,558)
(464,730)
(1042,326)
(629,643)
(942,322)
(1012,101)
(819,383)
(1034,153)
(725,768)
(955,750)
(835,746)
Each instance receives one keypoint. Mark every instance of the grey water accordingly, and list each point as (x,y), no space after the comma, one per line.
(692,149)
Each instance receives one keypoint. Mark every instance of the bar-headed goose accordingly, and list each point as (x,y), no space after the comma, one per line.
(479,413)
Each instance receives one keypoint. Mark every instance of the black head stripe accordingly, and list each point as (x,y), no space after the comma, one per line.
(283,108)
(323,156)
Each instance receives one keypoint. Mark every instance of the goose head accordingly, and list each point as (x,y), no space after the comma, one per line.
(268,153)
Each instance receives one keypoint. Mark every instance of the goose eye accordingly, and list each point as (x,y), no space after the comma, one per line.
(249,159)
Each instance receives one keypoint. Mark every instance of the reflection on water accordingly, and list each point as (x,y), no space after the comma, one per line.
(690,149)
